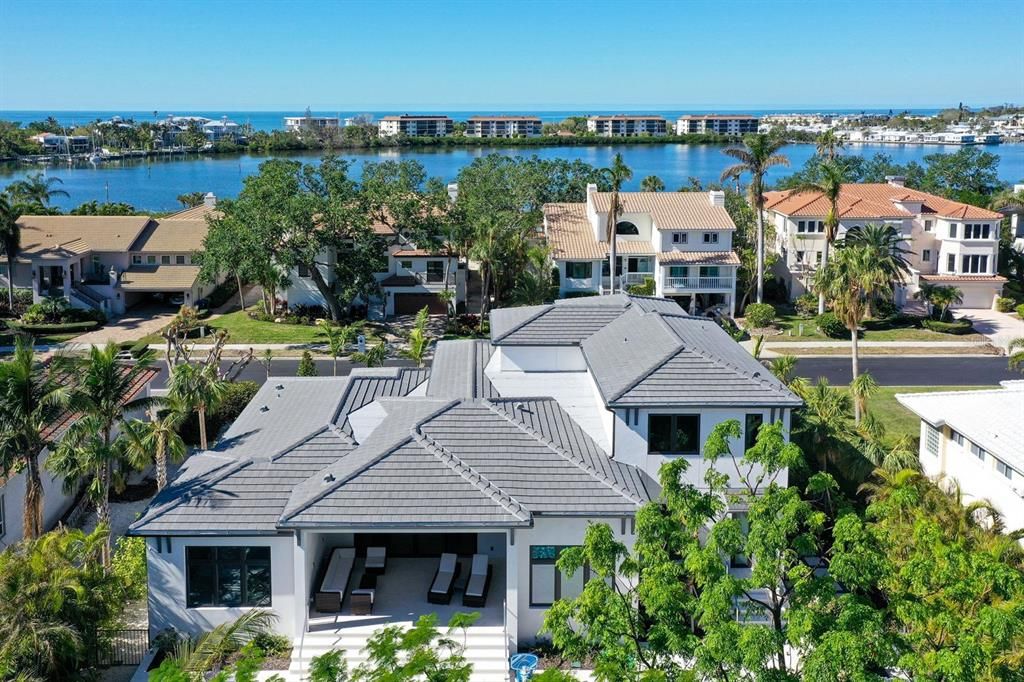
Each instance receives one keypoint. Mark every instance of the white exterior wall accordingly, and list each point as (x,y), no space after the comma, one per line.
(302,290)
(539,359)
(12,503)
(567,285)
(631,439)
(167,598)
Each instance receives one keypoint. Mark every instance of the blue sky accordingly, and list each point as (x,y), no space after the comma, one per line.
(513,54)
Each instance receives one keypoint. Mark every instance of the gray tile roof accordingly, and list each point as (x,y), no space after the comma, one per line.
(368,384)
(458,370)
(657,359)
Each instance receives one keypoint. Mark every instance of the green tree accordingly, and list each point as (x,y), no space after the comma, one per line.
(10,241)
(38,189)
(108,208)
(617,174)
(533,285)
(423,652)
(307,368)
(1016,352)
(970,174)
(337,340)
(31,399)
(830,187)
(887,247)
(157,439)
(829,144)
(758,153)
(374,355)
(652,183)
(191,199)
(198,389)
(419,341)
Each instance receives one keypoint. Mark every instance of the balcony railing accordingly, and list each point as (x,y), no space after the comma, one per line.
(627,279)
(699,282)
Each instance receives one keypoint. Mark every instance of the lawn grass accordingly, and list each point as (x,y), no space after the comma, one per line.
(844,351)
(244,329)
(789,321)
(898,420)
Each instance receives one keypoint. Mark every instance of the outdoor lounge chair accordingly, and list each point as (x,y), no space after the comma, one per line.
(376,560)
(479,582)
(444,580)
(332,588)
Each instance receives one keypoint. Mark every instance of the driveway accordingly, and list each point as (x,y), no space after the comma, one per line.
(1000,327)
(140,321)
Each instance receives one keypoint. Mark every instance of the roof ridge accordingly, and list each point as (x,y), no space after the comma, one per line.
(650,370)
(760,378)
(300,441)
(231,468)
(565,454)
(473,477)
(547,307)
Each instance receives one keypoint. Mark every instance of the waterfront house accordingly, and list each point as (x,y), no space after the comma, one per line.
(294,124)
(733,124)
(63,144)
(681,240)
(503,126)
(348,503)
(976,438)
(952,243)
(222,129)
(111,263)
(416,126)
(622,125)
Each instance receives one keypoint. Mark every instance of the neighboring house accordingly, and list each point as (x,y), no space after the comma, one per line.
(111,263)
(56,502)
(683,240)
(222,129)
(736,124)
(503,126)
(953,244)
(297,123)
(507,448)
(621,125)
(65,144)
(416,126)
(977,439)
(414,278)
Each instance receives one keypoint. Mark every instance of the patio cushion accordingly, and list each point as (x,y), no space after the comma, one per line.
(445,573)
(338,570)
(376,557)
(477,576)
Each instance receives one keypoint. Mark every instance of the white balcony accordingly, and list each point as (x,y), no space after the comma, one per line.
(701,283)
(626,279)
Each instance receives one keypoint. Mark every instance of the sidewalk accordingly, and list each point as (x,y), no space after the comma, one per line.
(807,348)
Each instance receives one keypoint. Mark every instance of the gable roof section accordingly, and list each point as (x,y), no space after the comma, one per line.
(571,236)
(62,236)
(458,370)
(366,385)
(172,235)
(671,210)
(873,200)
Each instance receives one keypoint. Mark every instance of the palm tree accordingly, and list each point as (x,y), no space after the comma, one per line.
(944,297)
(652,183)
(887,245)
(617,174)
(37,189)
(830,186)
(758,153)
(829,144)
(374,355)
(30,400)
(419,341)
(824,426)
(88,450)
(10,242)
(533,284)
(862,388)
(208,650)
(1016,352)
(783,367)
(884,454)
(156,439)
(198,389)
(335,343)
(925,293)
(849,282)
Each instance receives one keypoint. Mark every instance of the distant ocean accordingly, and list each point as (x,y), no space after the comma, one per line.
(271,120)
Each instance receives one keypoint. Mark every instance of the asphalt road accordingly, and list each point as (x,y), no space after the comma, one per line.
(888,371)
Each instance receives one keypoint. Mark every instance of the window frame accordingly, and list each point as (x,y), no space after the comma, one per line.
(179,260)
(750,434)
(679,237)
(928,226)
(150,260)
(302,270)
(136,259)
(545,561)
(217,563)
(673,432)
(710,237)
(573,266)
(1003,468)
(926,255)
(951,263)
(620,228)
(434,271)
(165,259)
(978,451)
(952,231)
(932,439)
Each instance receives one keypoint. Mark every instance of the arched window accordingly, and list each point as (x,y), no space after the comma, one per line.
(626,227)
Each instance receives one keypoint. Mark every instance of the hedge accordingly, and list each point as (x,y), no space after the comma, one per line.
(60,328)
(897,321)
(830,325)
(1020,310)
(958,327)
(1004,304)
(760,315)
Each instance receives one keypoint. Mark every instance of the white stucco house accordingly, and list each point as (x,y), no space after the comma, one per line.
(977,439)
(503,451)
(952,243)
(683,240)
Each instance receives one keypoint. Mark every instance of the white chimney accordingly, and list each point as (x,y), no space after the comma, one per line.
(592,216)
(717,198)
(896,180)
(453,191)
(210,199)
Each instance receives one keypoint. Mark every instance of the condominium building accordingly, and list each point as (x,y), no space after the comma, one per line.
(416,126)
(976,438)
(503,126)
(951,243)
(626,126)
(681,240)
(296,123)
(737,124)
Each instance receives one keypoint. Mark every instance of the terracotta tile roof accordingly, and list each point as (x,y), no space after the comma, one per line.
(58,426)
(873,200)
(699,257)
(671,210)
(963,278)
(159,277)
(415,253)
(196,213)
(570,235)
(172,234)
(46,235)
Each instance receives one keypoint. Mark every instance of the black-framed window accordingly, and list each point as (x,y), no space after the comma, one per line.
(710,237)
(179,260)
(626,227)
(926,255)
(741,560)
(303,270)
(435,270)
(227,576)
(952,230)
(578,269)
(752,424)
(673,434)
(951,263)
(1004,468)
(547,583)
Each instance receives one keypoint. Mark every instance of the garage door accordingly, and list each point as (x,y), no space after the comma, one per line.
(410,304)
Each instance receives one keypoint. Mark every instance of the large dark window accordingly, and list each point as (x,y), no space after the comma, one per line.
(673,433)
(751,427)
(626,227)
(227,576)
(547,583)
(576,269)
(435,270)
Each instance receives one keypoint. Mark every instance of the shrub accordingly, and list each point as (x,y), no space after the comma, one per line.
(307,368)
(885,307)
(806,305)
(957,327)
(329,667)
(129,565)
(645,289)
(272,644)
(1004,305)
(830,325)
(1020,310)
(22,301)
(236,397)
(760,315)
(897,321)
(221,293)
(55,328)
